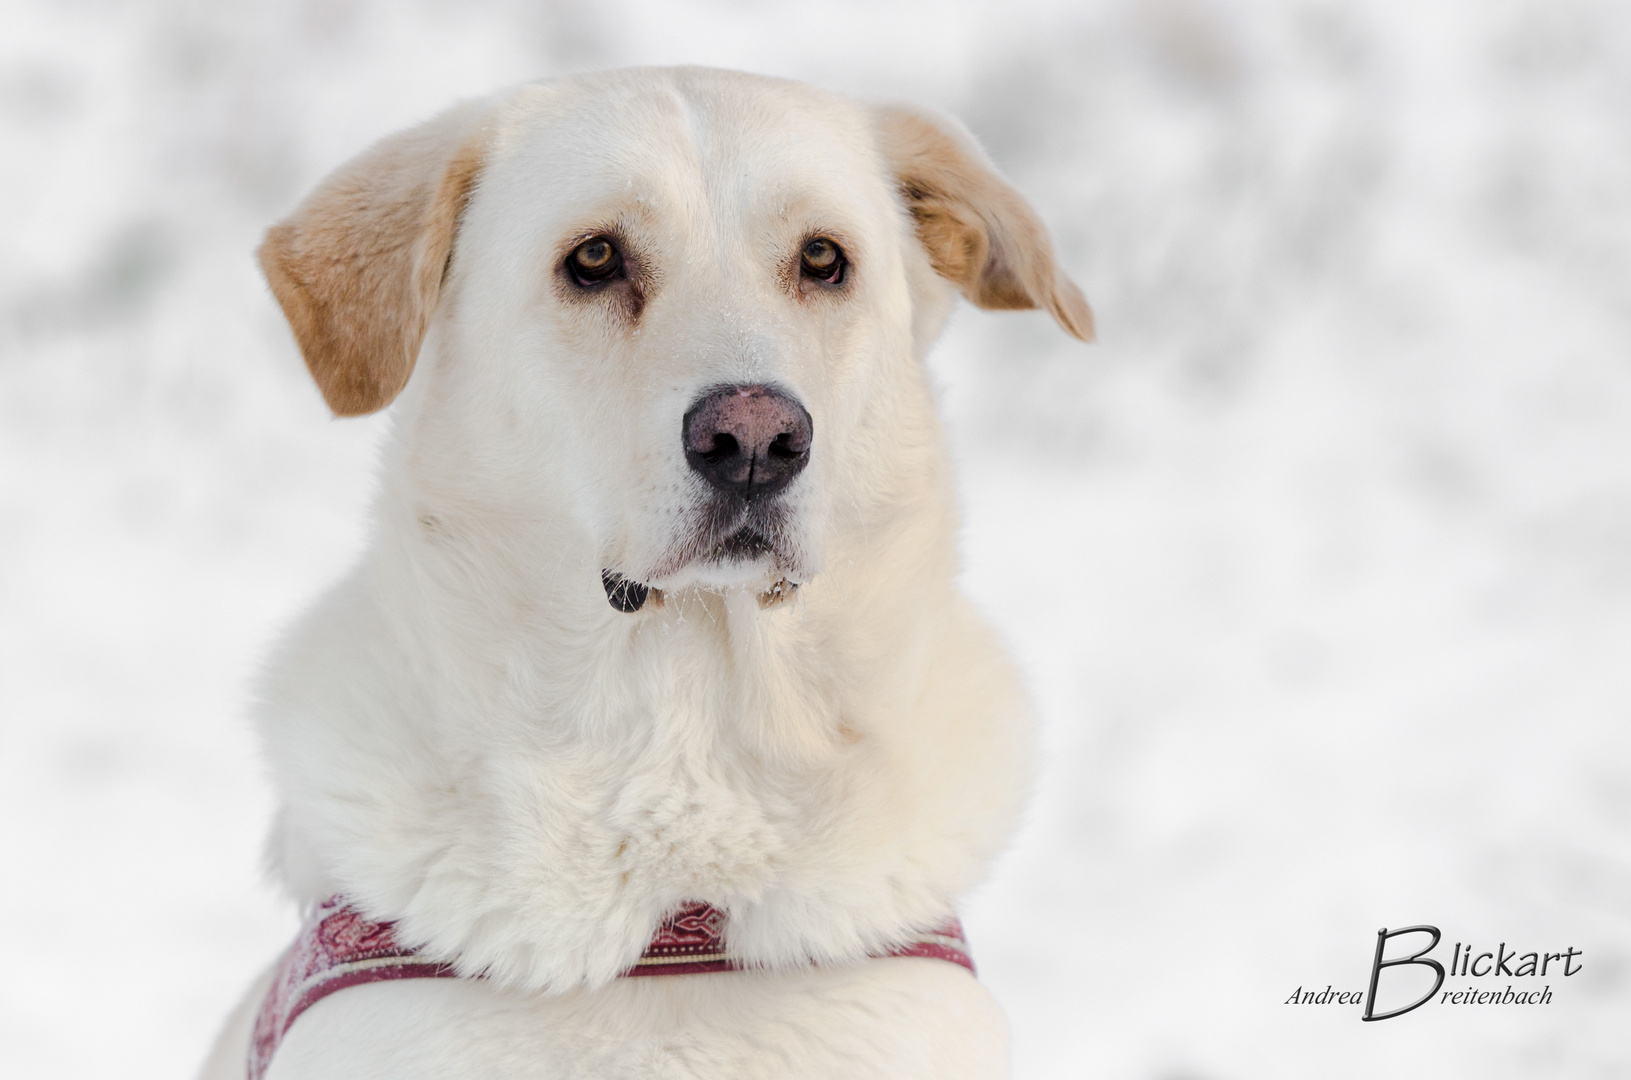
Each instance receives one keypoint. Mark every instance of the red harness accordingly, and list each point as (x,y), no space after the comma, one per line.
(340,948)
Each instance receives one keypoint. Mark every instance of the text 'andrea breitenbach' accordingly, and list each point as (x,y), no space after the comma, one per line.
(1465,962)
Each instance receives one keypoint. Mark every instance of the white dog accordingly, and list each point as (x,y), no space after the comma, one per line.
(656,656)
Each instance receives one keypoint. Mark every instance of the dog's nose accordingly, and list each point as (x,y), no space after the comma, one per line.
(748,441)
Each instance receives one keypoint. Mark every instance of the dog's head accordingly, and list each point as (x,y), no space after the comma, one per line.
(677,316)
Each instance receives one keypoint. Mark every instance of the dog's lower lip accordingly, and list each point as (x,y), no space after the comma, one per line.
(743,544)
(624,595)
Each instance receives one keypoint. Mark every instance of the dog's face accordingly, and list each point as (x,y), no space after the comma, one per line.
(701,291)
(682,309)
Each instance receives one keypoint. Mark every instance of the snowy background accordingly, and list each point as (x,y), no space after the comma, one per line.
(1320,562)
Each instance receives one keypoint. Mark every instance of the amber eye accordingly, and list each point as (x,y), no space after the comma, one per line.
(823,260)
(594,261)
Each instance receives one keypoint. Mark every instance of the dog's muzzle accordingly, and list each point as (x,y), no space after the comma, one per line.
(747,442)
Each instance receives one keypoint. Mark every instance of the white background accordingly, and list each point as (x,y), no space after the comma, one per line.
(1320,563)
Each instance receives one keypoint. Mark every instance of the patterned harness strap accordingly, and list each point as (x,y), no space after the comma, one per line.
(340,948)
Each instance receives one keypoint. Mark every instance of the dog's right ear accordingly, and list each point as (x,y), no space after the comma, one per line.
(358,267)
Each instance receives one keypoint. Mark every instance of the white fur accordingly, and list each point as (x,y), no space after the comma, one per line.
(466,738)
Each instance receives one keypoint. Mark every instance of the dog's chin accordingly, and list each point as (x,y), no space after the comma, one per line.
(743,545)
(727,545)
(754,549)
(746,558)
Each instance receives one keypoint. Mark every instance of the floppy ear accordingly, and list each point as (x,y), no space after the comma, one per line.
(358,267)
(980,233)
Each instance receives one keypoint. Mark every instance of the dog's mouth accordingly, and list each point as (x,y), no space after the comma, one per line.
(731,543)
(742,545)
(732,535)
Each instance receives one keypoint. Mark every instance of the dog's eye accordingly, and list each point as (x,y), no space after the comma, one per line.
(594,261)
(823,260)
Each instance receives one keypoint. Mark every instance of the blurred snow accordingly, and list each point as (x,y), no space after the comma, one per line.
(1320,563)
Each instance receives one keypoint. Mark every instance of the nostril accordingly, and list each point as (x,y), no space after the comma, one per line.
(783,446)
(725,447)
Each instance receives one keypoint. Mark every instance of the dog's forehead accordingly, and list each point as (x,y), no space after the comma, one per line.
(687,137)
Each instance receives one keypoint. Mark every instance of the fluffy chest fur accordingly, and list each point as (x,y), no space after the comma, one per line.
(575,791)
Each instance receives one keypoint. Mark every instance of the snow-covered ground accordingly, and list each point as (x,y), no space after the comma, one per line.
(1320,562)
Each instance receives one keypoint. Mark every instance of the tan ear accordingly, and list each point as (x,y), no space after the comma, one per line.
(980,233)
(358,267)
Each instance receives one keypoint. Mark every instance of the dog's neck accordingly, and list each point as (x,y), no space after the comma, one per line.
(546,659)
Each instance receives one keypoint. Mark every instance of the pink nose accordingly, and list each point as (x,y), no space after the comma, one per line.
(747,441)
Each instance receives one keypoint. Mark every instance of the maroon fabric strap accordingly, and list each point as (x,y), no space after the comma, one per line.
(340,948)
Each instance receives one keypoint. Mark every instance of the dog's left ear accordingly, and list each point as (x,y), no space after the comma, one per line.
(980,233)
(358,267)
